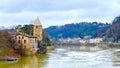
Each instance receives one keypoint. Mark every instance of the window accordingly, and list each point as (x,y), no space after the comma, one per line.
(19,37)
(22,37)
(24,41)
(36,27)
(18,41)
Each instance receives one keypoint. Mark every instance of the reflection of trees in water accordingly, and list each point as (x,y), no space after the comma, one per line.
(82,47)
(27,62)
(116,57)
(70,47)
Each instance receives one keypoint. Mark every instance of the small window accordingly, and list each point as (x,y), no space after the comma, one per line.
(18,41)
(22,37)
(24,41)
(19,37)
(36,27)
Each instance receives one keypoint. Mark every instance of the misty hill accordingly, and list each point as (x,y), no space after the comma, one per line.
(81,29)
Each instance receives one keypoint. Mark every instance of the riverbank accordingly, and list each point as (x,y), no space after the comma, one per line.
(9,54)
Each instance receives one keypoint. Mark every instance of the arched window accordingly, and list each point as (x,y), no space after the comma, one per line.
(19,37)
(18,41)
(24,41)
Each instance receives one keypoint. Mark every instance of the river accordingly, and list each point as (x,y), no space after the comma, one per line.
(63,57)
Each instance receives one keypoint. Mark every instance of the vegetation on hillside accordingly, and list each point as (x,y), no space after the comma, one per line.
(81,29)
(6,44)
(113,33)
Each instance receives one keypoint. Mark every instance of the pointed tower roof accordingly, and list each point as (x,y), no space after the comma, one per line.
(37,22)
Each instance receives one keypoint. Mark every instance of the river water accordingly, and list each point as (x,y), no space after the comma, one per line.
(68,58)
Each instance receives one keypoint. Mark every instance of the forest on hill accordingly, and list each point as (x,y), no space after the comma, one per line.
(81,29)
(113,33)
(95,29)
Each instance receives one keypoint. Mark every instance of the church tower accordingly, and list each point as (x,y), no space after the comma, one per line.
(37,29)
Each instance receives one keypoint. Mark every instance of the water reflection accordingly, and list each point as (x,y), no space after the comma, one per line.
(116,57)
(80,48)
(69,57)
(26,62)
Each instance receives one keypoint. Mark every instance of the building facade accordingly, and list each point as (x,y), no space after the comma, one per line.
(30,42)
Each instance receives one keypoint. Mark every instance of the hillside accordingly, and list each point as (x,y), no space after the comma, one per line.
(81,29)
(113,33)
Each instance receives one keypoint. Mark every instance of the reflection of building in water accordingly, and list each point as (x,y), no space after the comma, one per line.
(33,62)
(30,41)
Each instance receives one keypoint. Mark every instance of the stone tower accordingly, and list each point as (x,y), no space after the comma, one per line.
(37,29)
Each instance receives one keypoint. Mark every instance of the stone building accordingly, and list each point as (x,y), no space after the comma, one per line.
(30,42)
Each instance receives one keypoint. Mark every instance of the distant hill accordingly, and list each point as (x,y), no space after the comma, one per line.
(81,29)
(113,33)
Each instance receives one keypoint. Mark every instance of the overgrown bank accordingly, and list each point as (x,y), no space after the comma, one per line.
(7,44)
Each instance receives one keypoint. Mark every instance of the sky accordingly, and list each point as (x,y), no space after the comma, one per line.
(57,12)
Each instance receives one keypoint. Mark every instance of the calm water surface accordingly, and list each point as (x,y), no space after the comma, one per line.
(67,58)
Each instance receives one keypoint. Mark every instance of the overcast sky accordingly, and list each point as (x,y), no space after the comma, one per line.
(57,12)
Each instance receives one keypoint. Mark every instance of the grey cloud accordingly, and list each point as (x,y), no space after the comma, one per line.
(60,11)
(50,5)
